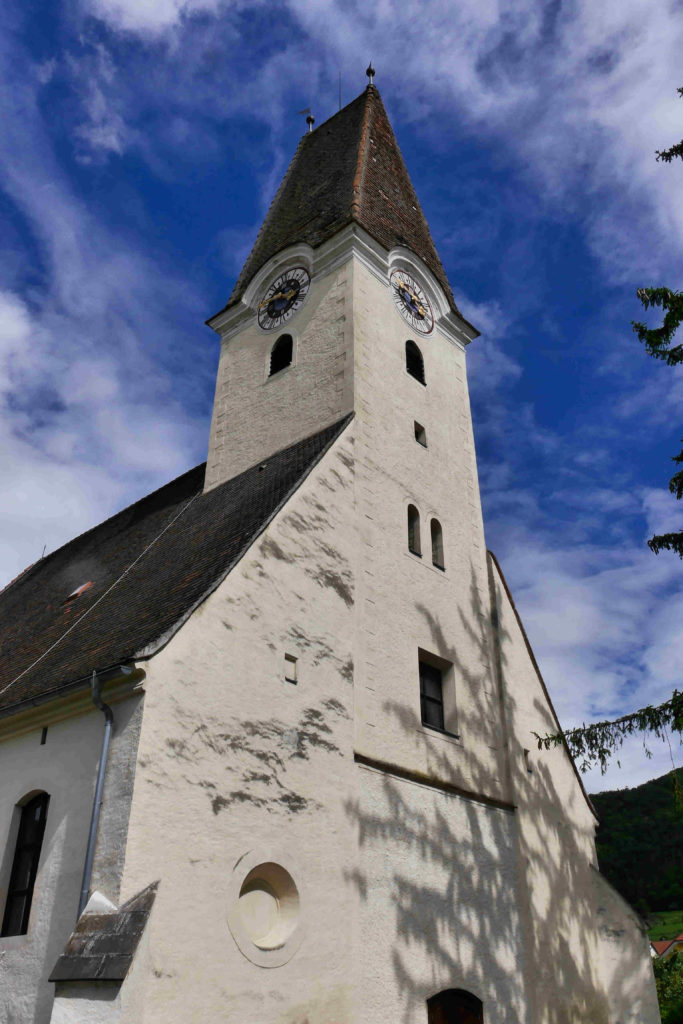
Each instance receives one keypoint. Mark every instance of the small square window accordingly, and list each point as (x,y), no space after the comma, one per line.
(290,669)
(420,434)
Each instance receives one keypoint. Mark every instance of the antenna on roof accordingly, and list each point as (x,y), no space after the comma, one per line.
(340,88)
(370,72)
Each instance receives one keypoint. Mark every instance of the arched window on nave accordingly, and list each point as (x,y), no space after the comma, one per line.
(25,865)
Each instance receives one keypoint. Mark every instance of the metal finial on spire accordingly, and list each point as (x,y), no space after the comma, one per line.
(310,121)
(370,72)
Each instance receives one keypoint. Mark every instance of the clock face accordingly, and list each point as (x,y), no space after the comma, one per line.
(285,296)
(411,301)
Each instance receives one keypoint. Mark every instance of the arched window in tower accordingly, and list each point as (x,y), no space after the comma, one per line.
(414,545)
(414,362)
(25,865)
(455,1006)
(281,354)
(437,545)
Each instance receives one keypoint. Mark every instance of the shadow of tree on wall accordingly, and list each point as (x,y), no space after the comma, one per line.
(256,755)
(494,901)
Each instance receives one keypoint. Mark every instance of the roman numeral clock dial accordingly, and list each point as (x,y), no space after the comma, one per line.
(284,298)
(411,301)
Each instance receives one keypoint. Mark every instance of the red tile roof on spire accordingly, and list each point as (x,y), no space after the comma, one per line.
(350,169)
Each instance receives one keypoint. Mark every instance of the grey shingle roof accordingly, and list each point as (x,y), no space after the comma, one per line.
(102,946)
(150,565)
(349,169)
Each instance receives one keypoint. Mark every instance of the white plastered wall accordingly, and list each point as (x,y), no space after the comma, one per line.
(405,604)
(255,415)
(438,903)
(626,965)
(65,767)
(563,930)
(235,761)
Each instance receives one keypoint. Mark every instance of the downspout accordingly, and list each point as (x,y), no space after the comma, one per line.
(96,685)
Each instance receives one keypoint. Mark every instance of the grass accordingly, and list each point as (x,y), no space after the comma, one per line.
(666,924)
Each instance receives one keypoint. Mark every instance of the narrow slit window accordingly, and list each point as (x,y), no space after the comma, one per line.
(281,354)
(290,669)
(431,696)
(414,362)
(437,545)
(420,434)
(25,866)
(414,531)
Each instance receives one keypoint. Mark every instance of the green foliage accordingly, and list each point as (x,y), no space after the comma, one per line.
(639,843)
(658,343)
(667,155)
(665,924)
(594,744)
(669,982)
(657,340)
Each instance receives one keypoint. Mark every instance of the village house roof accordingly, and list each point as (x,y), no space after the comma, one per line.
(117,592)
(350,169)
(662,946)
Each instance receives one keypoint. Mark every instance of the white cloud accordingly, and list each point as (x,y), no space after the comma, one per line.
(148,16)
(663,512)
(88,415)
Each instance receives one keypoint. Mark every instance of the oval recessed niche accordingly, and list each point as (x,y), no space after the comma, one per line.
(265,911)
(269,905)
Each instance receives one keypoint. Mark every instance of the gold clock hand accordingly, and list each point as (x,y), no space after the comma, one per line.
(271,298)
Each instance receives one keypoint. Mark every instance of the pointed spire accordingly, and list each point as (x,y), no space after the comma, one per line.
(349,169)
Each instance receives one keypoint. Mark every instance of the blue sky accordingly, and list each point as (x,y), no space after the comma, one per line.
(142,141)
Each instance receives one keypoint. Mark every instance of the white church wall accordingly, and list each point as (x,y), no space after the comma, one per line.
(556,845)
(438,903)
(255,415)
(65,767)
(625,958)
(239,767)
(405,604)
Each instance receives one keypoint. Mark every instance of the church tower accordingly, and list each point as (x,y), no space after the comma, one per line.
(322,803)
(343,307)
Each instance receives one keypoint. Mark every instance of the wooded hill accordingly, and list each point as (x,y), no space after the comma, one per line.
(640,842)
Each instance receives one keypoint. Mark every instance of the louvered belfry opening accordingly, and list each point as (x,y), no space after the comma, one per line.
(281,354)
(414,362)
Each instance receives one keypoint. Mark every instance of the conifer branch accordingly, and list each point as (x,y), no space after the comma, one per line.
(594,744)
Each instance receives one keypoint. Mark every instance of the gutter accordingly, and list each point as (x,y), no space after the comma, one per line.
(96,685)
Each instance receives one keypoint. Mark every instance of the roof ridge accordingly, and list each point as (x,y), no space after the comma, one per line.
(266,221)
(103,522)
(361,162)
(350,169)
